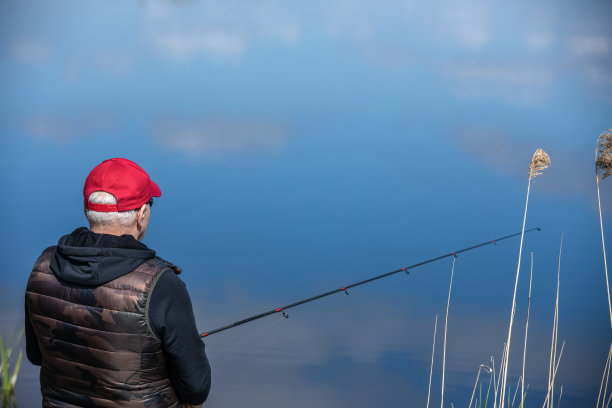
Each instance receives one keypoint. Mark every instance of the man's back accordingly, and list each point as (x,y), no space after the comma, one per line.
(110,323)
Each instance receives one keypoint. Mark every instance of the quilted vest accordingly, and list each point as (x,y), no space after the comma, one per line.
(98,348)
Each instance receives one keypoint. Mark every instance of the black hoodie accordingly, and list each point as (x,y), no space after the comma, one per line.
(86,259)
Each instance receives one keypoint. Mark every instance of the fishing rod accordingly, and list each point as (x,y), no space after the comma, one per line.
(345,289)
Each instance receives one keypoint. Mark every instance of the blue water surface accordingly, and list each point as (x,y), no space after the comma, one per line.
(301,147)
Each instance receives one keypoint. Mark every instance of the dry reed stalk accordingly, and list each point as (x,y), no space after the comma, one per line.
(494,383)
(488,370)
(516,390)
(497,383)
(499,374)
(553,364)
(432,359)
(553,346)
(526,330)
(539,162)
(606,387)
(604,377)
(603,167)
(554,375)
(445,327)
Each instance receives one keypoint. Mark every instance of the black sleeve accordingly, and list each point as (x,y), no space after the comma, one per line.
(32,350)
(171,318)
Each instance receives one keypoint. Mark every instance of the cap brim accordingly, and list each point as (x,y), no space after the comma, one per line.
(155,190)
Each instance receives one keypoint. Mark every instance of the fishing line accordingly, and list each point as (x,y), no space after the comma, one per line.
(345,289)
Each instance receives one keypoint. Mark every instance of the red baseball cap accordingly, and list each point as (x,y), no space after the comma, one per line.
(124,179)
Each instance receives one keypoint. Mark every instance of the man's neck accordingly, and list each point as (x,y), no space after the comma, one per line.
(114,230)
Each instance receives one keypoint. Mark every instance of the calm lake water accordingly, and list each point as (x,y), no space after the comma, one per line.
(372,347)
(301,147)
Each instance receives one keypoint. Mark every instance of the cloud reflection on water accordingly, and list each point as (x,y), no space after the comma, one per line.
(365,131)
(216,137)
(286,357)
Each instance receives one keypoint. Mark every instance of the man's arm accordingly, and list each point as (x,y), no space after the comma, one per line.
(171,318)
(32,350)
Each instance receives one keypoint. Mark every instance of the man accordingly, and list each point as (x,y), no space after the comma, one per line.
(111,324)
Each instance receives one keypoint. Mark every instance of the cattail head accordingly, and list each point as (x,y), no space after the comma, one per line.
(539,162)
(603,154)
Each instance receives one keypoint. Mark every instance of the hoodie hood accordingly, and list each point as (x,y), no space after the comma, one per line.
(85,258)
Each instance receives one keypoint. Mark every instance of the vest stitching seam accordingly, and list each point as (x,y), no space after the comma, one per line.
(84,327)
(79,305)
(97,349)
(100,368)
(112,288)
(94,397)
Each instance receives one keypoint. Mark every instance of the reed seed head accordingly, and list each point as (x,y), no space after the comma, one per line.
(603,154)
(539,162)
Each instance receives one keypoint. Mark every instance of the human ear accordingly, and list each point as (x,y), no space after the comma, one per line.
(140,216)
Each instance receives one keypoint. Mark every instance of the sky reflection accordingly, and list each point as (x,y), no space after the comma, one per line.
(301,147)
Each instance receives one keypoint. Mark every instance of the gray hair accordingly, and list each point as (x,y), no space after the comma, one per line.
(108,218)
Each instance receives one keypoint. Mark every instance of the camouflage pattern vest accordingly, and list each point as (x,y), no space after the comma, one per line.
(98,348)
